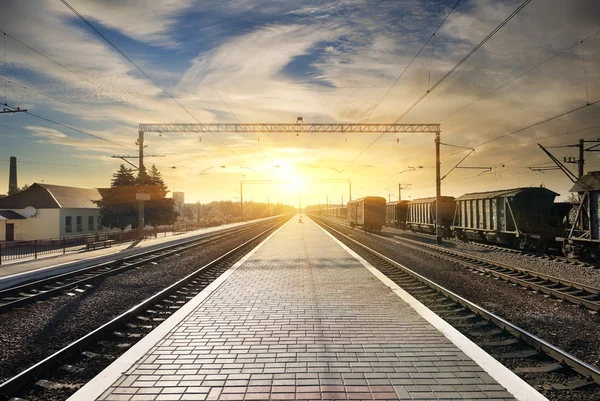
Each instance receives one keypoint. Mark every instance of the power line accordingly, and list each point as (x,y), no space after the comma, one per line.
(537,123)
(73,129)
(412,61)
(525,73)
(64,67)
(56,99)
(56,164)
(101,35)
(465,58)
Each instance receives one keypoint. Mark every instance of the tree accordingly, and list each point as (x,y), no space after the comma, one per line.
(123,177)
(118,208)
(159,210)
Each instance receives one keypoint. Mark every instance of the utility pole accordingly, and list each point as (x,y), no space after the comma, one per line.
(327,205)
(142,178)
(139,196)
(581,161)
(241,201)
(438,190)
(400,188)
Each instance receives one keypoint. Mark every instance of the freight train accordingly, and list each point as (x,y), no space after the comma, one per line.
(523,218)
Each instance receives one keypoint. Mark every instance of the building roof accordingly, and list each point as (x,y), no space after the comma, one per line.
(10,215)
(504,193)
(46,196)
(589,182)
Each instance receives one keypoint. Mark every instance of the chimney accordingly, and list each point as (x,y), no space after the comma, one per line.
(12,177)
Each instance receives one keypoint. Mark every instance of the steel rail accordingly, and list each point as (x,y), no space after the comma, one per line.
(12,385)
(564,358)
(53,286)
(471,262)
(493,268)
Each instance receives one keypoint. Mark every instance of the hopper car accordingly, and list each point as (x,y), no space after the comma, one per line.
(421,214)
(395,214)
(523,218)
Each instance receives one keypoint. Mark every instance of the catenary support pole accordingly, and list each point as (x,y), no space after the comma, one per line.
(241,201)
(142,178)
(438,190)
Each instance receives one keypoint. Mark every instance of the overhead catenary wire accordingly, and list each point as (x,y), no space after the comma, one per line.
(29,113)
(525,73)
(62,66)
(412,61)
(43,93)
(442,79)
(56,164)
(464,59)
(537,123)
(109,42)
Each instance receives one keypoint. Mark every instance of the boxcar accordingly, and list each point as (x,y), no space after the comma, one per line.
(367,213)
(582,238)
(518,217)
(421,214)
(395,213)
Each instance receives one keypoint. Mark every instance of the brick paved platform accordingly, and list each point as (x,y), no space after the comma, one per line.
(301,318)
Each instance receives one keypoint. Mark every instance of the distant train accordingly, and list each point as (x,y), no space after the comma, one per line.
(523,218)
(367,213)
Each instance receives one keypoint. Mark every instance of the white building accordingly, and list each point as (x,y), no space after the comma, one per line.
(49,211)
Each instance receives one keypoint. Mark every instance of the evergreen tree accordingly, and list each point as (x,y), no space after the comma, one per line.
(160,210)
(118,208)
(123,177)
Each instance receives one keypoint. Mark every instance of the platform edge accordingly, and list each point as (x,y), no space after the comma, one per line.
(93,389)
(520,389)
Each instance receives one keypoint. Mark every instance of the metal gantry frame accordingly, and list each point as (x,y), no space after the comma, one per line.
(301,126)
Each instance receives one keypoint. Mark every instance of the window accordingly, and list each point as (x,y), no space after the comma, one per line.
(68,224)
(79,223)
(99,222)
(90,223)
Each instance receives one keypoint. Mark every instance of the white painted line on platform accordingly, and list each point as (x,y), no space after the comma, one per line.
(520,389)
(103,381)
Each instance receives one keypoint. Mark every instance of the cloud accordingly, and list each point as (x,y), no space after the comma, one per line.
(333,61)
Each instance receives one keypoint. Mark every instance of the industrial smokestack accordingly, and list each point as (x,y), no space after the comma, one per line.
(13,188)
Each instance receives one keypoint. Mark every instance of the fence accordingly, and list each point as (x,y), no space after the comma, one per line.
(33,249)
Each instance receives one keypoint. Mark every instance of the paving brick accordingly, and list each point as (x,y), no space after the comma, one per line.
(303,319)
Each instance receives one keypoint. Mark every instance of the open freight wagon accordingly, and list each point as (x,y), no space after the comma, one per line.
(523,218)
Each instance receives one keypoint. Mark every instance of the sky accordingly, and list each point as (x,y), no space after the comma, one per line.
(272,61)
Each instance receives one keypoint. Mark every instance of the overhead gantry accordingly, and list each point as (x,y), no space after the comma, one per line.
(301,126)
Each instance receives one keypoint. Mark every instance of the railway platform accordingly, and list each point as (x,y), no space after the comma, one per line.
(13,272)
(303,317)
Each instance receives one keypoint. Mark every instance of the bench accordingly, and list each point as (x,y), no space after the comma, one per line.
(97,241)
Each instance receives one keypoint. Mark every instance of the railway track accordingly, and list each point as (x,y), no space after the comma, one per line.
(62,373)
(546,367)
(544,256)
(79,280)
(576,293)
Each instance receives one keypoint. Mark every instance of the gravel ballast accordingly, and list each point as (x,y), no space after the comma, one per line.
(35,331)
(557,268)
(570,327)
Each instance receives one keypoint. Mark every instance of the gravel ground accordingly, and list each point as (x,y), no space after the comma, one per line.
(35,331)
(584,275)
(574,329)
